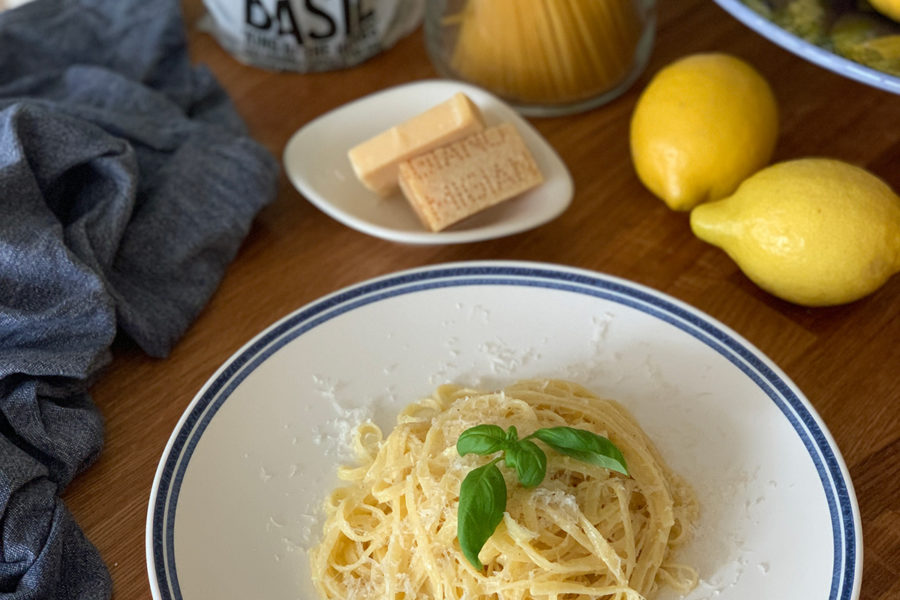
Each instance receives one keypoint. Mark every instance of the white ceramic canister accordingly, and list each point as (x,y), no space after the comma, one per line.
(309,35)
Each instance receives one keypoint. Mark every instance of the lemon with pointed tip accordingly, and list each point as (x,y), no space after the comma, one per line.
(702,125)
(813,231)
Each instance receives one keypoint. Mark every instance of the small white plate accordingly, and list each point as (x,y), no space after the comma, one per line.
(814,54)
(315,161)
(237,496)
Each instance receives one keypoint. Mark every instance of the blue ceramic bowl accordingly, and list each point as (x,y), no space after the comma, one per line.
(808,51)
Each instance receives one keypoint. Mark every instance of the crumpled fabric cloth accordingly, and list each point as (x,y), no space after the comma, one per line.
(127,183)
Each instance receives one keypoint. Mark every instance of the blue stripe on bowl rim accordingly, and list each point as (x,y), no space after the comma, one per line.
(826,459)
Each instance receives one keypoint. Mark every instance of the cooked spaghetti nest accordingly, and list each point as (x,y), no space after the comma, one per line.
(585,532)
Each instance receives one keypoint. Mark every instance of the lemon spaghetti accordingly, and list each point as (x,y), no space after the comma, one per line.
(585,532)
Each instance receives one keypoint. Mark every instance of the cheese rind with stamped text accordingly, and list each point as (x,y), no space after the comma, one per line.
(460,179)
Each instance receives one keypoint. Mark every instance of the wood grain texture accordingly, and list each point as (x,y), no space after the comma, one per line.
(846,359)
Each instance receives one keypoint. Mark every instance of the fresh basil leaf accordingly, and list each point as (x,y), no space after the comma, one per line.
(512,434)
(584,445)
(482,501)
(481,439)
(529,461)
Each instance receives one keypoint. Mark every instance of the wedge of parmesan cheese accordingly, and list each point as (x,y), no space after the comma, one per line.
(460,179)
(375,160)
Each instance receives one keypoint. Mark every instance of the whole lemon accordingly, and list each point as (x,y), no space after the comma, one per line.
(702,125)
(813,231)
(889,8)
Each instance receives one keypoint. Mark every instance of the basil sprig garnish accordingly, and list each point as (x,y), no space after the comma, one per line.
(482,494)
(585,446)
(482,500)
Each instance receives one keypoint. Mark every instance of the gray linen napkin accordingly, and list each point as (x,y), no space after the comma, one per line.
(127,183)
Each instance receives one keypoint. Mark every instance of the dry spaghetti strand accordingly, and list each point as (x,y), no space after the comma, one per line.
(546,51)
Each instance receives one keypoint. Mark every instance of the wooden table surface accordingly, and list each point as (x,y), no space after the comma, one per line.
(846,359)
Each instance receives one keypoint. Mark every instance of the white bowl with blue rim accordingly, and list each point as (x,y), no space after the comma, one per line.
(236,502)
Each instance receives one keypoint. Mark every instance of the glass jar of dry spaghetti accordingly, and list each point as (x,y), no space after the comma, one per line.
(545,57)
